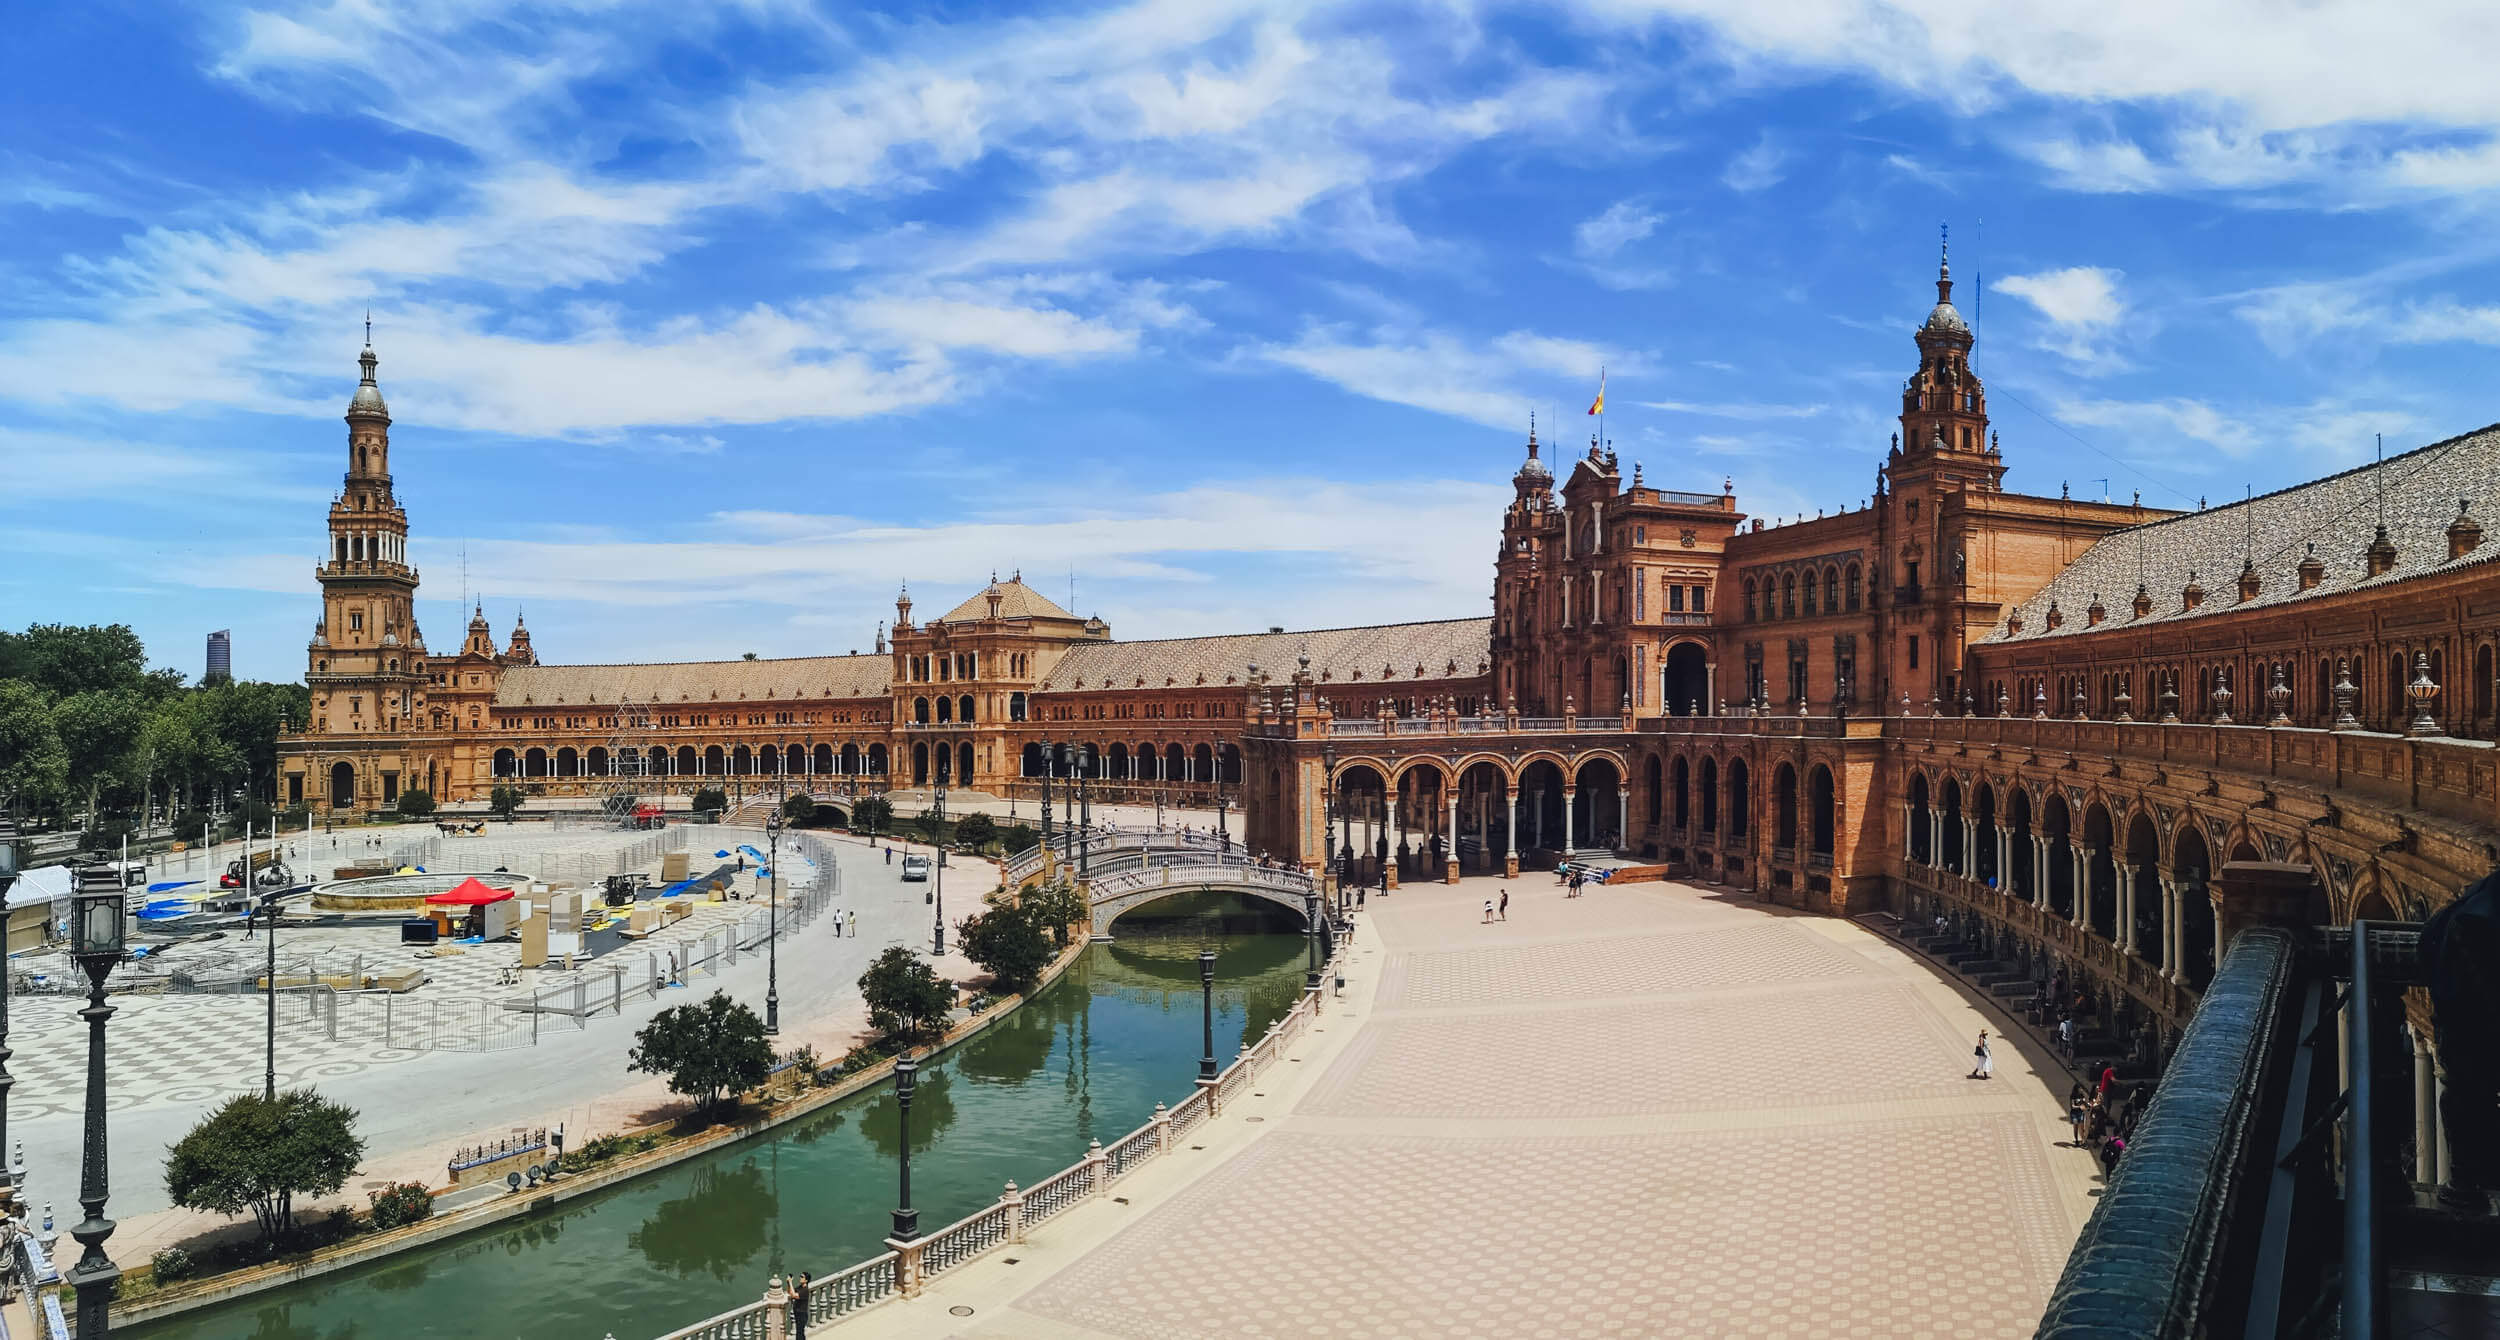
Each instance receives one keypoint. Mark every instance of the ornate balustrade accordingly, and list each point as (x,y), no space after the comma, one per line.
(904,1270)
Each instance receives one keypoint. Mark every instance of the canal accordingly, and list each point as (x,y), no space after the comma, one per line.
(1086,1059)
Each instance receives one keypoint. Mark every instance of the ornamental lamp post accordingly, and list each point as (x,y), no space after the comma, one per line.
(772,941)
(8,877)
(1310,918)
(906,1219)
(1206,1014)
(1328,818)
(97,942)
(1084,768)
(937,928)
(1050,766)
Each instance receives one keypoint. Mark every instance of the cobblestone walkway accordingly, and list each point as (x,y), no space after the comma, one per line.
(1651,1111)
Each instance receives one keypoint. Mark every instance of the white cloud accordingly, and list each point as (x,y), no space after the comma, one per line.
(2083,309)
(1735,409)
(1624,222)
(1756,169)
(1494,383)
(2146,423)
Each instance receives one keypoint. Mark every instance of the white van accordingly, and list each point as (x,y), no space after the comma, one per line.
(916,868)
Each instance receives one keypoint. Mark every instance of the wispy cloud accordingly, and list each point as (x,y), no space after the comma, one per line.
(1756,169)
(2083,310)
(1493,382)
(1735,409)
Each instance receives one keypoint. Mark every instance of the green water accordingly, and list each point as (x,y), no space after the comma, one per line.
(1086,1059)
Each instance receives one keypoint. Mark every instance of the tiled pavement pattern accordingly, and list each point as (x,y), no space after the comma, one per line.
(1860,1042)
(193,1049)
(1647,1112)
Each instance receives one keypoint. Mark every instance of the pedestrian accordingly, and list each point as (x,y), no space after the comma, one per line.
(2066,1035)
(1488,911)
(798,1306)
(837,924)
(1983,1061)
(1505,902)
(854,916)
(2109,1076)
(2078,1111)
(889,854)
(2111,1149)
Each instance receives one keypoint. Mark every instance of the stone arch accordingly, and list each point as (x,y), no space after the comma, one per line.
(1739,800)
(1540,780)
(568,762)
(1484,813)
(822,761)
(1118,761)
(507,763)
(1707,792)
(595,761)
(1032,764)
(1684,679)
(1681,811)
(963,764)
(964,709)
(2144,864)
(877,757)
(2100,870)
(1360,791)
(343,785)
(1955,858)
(2191,867)
(1601,803)
(1107,911)
(920,711)
(1653,790)
(534,763)
(715,762)
(2019,817)
(1983,857)
(920,763)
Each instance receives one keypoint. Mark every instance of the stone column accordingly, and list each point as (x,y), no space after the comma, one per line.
(2425,1112)
(1449,839)
(2126,909)
(1970,848)
(1935,837)
(1908,816)
(1536,816)
(1571,819)
(2170,955)
(2039,872)
(2005,859)
(1623,817)
(2079,884)
(1510,842)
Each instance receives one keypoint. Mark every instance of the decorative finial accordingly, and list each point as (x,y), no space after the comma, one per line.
(368,327)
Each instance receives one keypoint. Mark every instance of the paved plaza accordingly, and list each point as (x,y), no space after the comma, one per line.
(1656,1110)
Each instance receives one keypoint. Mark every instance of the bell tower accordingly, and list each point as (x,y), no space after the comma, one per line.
(1944,443)
(367,657)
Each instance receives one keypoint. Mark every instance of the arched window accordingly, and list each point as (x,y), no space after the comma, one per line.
(1788,596)
(1749,606)
(1831,590)
(1810,606)
(1849,589)
(945,707)
(920,711)
(963,708)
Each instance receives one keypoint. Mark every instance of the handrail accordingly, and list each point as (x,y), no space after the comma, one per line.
(2151,1260)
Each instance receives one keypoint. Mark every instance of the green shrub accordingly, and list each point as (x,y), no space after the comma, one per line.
(402,1203)
(170,1264)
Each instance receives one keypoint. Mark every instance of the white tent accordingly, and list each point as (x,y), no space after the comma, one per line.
(43,884)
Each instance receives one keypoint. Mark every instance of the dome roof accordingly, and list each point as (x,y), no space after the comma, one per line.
(368,398)
(1532,471)
(1946,317)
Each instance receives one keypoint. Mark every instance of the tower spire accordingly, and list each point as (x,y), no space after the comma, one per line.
(1944,262)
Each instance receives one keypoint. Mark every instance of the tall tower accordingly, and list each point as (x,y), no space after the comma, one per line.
(1944,410)
(1521,580)
(367,657)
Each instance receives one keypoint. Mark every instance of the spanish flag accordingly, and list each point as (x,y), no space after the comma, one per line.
(1598,406)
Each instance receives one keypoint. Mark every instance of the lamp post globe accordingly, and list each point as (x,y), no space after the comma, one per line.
(772,939)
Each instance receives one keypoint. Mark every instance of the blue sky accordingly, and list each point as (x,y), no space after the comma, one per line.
(704,327)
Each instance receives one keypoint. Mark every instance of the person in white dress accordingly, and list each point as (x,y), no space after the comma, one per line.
(1984,1058)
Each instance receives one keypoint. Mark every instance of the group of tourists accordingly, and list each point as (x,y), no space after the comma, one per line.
(2104,1115)
(1498,911)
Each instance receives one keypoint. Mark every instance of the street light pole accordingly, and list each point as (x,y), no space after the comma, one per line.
(772,951)
(1084,806)
(906,1219)
(937,930)
(269,1073)
(96,943)
(8,877)
(1206,1012)
(1328,820)
(1050,765)
(1310,916)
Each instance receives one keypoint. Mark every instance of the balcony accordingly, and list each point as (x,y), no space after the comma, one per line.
(1908,595)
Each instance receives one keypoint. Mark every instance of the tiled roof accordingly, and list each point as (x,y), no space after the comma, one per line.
(1395,653)
(1015,601)
(2337,516)
(813,677)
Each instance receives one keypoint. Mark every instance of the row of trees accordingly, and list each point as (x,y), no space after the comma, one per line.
(89,733)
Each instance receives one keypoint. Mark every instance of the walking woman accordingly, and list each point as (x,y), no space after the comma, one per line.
(1985,1060)
(2078,1111)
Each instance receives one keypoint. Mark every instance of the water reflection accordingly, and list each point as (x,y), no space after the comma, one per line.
(1086,1059)
(713,1229)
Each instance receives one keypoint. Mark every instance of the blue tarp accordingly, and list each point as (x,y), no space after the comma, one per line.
(174,884)
(752,853)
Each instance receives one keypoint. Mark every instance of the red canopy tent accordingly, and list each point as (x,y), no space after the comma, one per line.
(468,893)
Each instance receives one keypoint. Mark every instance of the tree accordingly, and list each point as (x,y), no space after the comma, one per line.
(1018,837)
(930,825)
(99,730)
(975,831)
(1008,941)
(904,994)
(710,800)
(34,769)
(506,800)
(260,1154)
(64,660)
(799,808)
(1058,905)
(415,804)
(713,1048)
(873,814)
